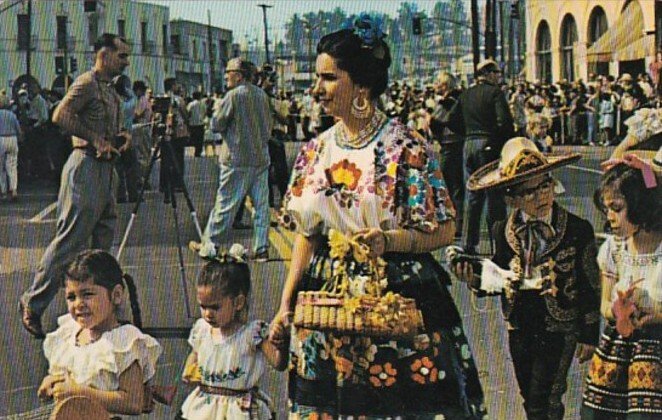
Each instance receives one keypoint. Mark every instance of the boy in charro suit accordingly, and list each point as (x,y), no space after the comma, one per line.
(545,268)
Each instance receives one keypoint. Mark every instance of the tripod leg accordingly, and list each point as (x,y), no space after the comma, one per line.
(180,254)
(136,207)
(177,174)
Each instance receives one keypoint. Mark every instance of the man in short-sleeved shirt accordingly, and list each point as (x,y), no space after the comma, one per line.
(91,113)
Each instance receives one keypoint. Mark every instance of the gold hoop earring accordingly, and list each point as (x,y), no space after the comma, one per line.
(360,111)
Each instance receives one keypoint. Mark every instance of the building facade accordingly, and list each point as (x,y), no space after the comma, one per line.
(62,34)
(572,39)
(199,54)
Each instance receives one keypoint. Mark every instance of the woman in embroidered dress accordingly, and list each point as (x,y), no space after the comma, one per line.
(373,179)
(625,376)
(229,355)
(92,354)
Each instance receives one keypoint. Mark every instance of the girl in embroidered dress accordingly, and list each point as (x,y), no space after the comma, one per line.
(92,354)
(229,355)
(625,376)
(375,180)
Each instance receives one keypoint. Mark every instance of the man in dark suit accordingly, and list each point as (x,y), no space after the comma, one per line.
(487,124)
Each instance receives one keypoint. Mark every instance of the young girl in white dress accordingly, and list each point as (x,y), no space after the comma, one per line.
(229,355)
(92,354)
(624,380)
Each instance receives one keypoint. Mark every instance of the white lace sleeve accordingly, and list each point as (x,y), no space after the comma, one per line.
(199,330)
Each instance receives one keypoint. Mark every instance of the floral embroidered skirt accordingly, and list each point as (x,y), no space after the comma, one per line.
(332,374)
(625,376)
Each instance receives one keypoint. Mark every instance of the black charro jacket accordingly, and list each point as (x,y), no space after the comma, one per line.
(576,306)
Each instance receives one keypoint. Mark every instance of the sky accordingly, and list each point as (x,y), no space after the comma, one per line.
(244,17)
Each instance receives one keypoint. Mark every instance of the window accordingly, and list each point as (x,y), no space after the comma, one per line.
(175,43)
(61,32)
(195,50)
(143,37)
(165,39)
(597,26)
(544,53)
(92,28)
(23,32)
(204,51)
(568,39)
(121,28)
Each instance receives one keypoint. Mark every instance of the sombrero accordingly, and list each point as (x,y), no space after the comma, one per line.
(520,161)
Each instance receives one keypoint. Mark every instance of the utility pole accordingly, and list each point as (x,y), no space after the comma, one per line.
(28,53)
(474,33)
(501,33)
(212,69)
(266,29)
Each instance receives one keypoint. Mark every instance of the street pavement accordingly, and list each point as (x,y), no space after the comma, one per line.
(151,257)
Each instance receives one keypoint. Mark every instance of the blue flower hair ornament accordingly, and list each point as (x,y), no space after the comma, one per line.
(369,29)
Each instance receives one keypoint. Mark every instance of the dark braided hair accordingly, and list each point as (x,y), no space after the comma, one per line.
(102,269)
(229,276)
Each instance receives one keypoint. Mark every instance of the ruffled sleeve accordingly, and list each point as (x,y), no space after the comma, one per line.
(56,342)
(422,197)
(198,332)
(291,216)
(130,345)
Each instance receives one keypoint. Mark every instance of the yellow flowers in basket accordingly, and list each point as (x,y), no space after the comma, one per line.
(357,304)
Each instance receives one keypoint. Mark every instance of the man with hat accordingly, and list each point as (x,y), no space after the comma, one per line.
(245,122)
(486,124)
(545,269)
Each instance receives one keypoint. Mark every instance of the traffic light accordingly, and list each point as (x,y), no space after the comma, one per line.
(73,64)
(514,11)
(90,5)
(416,25)
(59,65)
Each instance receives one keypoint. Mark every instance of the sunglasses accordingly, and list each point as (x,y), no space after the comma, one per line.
(544,187)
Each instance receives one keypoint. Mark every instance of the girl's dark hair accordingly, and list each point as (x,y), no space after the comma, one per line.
(102,269)
(231,278)
(643,204)
(97,266)
(367,66)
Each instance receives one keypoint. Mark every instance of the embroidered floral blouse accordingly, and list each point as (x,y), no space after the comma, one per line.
(616,259)
(392,182)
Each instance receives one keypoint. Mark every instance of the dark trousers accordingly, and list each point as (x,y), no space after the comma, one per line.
(197,133)
(278,172)
(541,360)
(128,173)
(169,173)
(477,153)
(451,167)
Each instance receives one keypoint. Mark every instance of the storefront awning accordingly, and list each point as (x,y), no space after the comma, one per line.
(640,48)
(626,30)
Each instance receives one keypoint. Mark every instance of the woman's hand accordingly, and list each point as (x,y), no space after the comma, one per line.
(279,329)
(45,390)
(374,238)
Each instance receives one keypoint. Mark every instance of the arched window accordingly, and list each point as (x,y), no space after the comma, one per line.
(543,53)
(597,25)
(568,39)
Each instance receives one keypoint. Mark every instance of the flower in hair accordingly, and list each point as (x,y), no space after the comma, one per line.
(236,254)
(368,28)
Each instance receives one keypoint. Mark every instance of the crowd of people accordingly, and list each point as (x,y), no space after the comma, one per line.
(389,174)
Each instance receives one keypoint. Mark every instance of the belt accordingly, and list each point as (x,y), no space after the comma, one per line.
(92,152)
(228,392)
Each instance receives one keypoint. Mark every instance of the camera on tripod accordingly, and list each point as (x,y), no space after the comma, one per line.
(164,118)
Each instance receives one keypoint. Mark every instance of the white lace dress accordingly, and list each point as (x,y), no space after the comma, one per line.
(100,364)
(234,362)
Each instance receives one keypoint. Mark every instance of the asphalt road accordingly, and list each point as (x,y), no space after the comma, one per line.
(151,257)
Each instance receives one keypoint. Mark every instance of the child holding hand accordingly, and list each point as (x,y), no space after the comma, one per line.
(92,354)
(229,355)
(624,378)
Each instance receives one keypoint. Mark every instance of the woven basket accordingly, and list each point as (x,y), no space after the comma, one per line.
(377,313)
